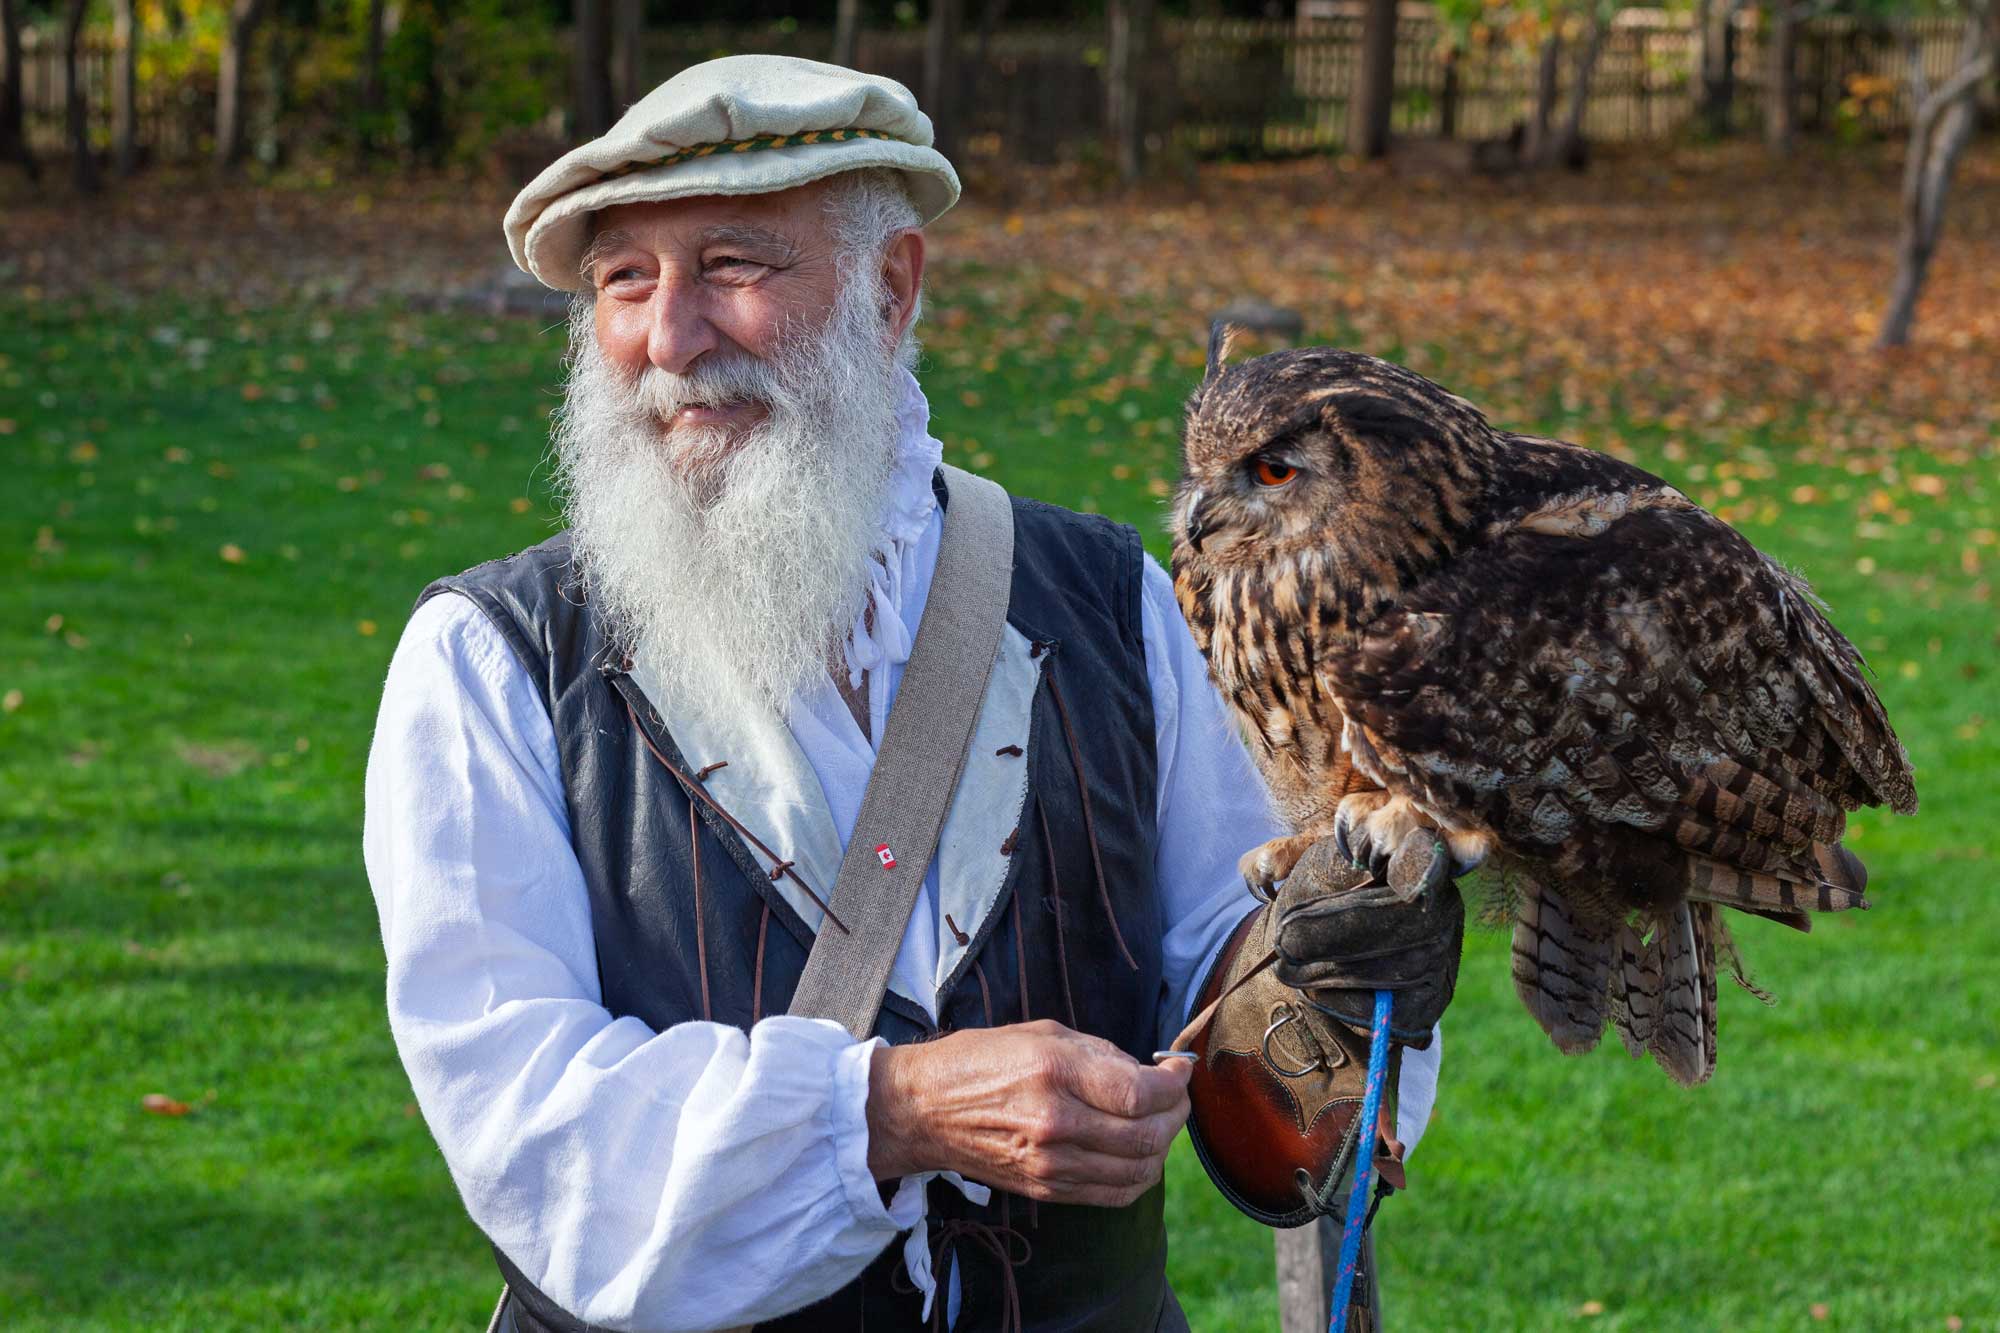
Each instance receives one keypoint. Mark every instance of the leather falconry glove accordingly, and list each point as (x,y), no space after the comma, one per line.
(1342,935)
(1278,1087)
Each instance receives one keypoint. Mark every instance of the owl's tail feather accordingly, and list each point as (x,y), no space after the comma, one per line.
(1637,989)
(1838,883)
(1562,964)
(1683,1040)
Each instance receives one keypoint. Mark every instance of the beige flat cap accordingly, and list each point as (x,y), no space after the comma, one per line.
(739,125)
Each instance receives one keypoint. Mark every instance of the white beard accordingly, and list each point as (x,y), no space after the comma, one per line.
(735,573)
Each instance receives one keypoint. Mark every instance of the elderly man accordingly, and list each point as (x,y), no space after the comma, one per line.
(616,777)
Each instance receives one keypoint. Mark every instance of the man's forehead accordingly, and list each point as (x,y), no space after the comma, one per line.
(793,215)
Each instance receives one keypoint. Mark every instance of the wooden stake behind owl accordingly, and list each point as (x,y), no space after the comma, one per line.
(1552,659)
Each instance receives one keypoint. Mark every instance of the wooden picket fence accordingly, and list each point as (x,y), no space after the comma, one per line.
(1210,87)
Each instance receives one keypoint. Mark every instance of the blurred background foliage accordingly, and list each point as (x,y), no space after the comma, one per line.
(265,371)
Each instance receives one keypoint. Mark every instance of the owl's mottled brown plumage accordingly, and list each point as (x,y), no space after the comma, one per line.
(1574,672)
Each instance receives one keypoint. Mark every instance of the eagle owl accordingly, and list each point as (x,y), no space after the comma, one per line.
(1553,661)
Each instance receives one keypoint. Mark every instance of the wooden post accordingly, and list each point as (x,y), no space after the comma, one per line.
(1308,1263)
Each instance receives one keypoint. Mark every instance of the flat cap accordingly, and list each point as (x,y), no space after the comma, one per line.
(738,125)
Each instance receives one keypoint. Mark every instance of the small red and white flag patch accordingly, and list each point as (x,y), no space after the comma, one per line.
(884,855)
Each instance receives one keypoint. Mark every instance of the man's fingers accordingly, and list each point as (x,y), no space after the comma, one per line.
(1128,1139)
(1114,1082)
(1068,1174)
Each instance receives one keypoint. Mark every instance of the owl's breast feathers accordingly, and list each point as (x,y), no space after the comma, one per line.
(1613,670)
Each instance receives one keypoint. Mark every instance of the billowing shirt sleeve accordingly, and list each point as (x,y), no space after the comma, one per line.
(695,1178)
(1213,807)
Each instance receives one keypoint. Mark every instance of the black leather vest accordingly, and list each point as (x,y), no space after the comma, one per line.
(1075,937)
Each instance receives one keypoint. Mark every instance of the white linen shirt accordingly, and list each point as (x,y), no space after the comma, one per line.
(702,1177)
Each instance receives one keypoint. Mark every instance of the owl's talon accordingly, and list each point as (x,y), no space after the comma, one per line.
(1264,865)
(1340,840)
(1420,865)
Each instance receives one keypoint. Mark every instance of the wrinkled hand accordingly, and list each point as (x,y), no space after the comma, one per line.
(1341,936)
(1035,1109)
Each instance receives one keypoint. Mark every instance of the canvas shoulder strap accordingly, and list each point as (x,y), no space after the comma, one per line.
(921,757)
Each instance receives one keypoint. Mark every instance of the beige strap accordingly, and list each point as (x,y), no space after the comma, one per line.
(922,755)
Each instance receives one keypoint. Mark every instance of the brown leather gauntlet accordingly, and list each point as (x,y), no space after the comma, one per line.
(1277,1090)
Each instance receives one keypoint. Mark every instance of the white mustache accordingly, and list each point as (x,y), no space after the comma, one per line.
(662,393)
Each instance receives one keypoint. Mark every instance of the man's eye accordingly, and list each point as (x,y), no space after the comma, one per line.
(621,274)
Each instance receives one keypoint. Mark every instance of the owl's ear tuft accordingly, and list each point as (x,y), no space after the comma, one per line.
(1222,336)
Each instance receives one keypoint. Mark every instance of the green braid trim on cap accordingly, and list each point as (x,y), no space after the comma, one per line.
(753,145)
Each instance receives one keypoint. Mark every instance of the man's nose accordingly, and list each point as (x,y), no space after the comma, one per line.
(680,332)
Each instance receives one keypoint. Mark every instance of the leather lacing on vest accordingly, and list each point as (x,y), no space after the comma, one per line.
(998,1242)
(1089,824)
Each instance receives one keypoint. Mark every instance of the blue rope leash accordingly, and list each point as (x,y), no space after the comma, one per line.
(1364,1165)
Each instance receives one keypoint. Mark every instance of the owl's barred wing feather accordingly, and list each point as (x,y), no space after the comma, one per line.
(1654,719)
(1660,682)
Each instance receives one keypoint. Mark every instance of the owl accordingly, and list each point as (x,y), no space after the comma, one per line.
(1547,661)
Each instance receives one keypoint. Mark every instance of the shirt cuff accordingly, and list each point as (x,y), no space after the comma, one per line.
(849,1108)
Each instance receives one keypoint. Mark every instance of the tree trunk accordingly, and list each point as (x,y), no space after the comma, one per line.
(628,19)
(1548,77)
(1938,134)
(1718,64)
(13,139)
(1131,25)
(1781,80)
(847,32)
(279,65)
(941,74)
(231,76)
(423,35)
(1724,110)
(371,59)
(82,164)
(125,88)
(590,75)
(1568,147)
(1374,81)
(1448,97)
(1703,78)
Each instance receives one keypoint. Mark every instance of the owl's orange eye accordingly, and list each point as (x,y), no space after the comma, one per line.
(1274,474)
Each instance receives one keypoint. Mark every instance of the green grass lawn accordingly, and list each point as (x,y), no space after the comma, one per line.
(211,530)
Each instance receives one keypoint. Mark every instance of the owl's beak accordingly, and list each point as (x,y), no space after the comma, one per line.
(1199,519)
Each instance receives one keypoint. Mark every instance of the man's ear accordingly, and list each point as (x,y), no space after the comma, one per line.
(903,273)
